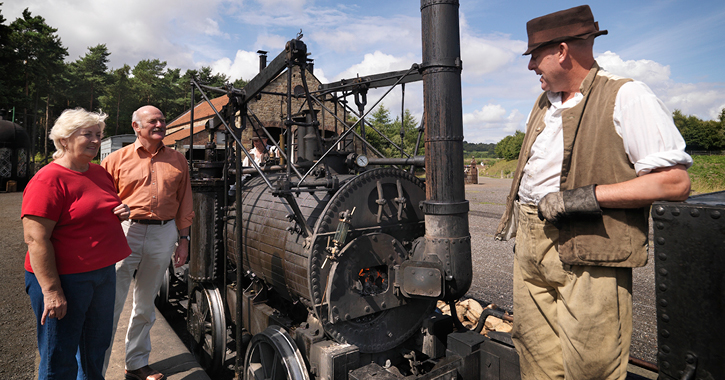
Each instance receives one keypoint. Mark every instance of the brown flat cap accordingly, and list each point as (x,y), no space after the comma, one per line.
(577,22)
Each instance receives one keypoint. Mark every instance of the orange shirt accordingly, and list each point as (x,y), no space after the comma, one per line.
(155,186)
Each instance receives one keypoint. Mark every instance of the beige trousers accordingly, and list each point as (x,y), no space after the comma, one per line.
(570,322)
(152,247)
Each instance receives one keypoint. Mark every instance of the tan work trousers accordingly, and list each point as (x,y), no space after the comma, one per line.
(570,322)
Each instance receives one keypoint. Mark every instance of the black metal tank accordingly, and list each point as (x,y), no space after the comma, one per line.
(14,155)
(349,284)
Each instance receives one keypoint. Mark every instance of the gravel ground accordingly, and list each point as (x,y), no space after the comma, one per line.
(17,322)
(492,281)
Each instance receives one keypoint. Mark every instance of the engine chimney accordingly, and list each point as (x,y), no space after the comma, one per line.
(262,59)
(447,237)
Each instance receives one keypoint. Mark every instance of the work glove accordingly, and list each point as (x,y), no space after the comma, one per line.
(554,207)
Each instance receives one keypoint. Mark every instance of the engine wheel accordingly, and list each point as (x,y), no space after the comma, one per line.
(273,355)
(207,326)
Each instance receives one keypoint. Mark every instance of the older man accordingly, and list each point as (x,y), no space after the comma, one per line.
(599,149)
(154,181)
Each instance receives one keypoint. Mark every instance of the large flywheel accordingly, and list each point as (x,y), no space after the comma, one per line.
(207,326)
(273,355)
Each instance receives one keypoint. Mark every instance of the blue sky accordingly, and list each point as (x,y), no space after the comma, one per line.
(675,46)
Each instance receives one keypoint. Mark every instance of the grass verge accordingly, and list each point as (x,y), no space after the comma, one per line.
(707,173)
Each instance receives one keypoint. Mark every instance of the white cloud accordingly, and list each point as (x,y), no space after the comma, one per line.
(376,63)
(273,42)
(481,124)
(348,34)
(245,65)
(211,28)
(649,72)
(282,7)
(320,75)
(704,100)
(132,30)
(486,54)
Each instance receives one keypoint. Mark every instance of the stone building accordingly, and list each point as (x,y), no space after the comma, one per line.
(269,109)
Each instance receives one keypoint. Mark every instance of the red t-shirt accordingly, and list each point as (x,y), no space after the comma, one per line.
(87,235)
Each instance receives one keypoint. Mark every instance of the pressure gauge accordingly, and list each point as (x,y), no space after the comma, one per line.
(361,161)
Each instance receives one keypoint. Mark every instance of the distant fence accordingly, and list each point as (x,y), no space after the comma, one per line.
(704,152)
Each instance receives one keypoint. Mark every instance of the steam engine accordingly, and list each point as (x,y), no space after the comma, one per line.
(328,262)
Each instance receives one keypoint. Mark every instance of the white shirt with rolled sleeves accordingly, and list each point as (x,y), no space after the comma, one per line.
(651,139)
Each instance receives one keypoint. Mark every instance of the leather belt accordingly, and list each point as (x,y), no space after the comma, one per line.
(151,221)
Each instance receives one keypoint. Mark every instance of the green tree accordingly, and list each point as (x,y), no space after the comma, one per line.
(409,136)
(148,77)
(89,76)
(510,146)
(699,134)
(41,52)
(9,65)
(240,83)
(206,77)
(381,121)
(118,103)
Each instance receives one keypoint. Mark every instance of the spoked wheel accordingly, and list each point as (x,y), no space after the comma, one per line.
(207,325)
(273,355)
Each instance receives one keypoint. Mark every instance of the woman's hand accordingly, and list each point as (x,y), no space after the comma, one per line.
(56,305)
(122,211)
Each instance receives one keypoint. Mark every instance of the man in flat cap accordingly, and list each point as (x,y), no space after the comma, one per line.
(599,149)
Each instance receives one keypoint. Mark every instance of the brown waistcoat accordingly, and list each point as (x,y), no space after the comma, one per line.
(593,154)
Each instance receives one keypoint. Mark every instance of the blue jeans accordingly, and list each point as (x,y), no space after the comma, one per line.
(74,347)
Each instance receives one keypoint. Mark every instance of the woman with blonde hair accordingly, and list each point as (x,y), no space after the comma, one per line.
(71,221)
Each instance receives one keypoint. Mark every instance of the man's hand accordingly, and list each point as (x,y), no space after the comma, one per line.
(181,253)
(122,211)
(554,207)
(551,208)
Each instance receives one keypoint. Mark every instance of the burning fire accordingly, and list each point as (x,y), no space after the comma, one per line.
(372,281)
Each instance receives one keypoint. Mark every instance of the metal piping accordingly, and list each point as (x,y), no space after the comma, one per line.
(446,210)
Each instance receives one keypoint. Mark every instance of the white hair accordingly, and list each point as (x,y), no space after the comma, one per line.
(70,121)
